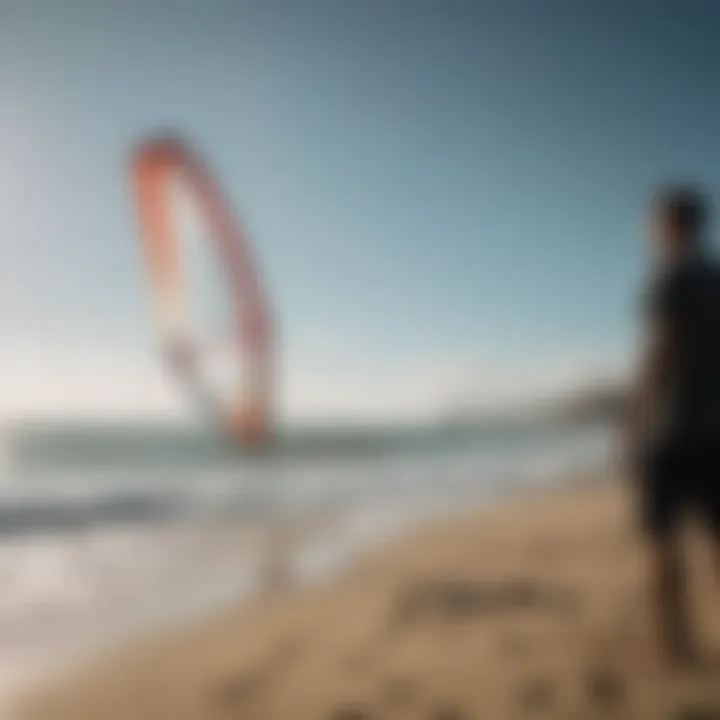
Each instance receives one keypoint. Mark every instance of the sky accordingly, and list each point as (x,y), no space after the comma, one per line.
(446,198)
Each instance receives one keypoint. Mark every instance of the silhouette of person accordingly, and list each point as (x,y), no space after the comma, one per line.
(674,433)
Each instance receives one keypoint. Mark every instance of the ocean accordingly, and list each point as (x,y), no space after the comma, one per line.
(110,530)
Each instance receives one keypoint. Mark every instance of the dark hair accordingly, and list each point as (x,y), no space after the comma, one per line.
(687,209)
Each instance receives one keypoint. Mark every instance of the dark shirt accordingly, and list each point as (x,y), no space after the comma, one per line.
(686,300)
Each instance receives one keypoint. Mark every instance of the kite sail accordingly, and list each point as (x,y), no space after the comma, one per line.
(212,311)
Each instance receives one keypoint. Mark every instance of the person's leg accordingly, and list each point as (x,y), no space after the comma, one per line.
(664,504)
(670,599)
(711,504)
(716,546)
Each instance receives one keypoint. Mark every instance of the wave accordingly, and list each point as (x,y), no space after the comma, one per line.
(74,445)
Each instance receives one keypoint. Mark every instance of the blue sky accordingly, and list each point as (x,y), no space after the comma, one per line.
(445,197)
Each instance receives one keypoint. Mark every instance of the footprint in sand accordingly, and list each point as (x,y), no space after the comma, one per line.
(462,600)
(238,690)
(246,686)
(605,689)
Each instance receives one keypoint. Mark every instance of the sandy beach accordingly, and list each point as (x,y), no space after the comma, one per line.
(538,608)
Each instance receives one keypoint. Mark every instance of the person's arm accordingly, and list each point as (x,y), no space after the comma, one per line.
(652,366)
(649,378)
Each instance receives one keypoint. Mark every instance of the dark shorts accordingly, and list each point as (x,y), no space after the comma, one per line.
(680,480)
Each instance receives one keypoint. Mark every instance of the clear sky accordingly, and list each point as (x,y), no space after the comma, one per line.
(445,197)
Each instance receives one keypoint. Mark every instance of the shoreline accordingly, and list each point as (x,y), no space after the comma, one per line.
(373,557)
(319,553)
(534,606)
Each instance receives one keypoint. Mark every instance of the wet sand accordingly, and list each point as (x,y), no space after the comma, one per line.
(536,609)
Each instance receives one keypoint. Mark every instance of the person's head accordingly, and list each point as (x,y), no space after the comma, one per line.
(680,216)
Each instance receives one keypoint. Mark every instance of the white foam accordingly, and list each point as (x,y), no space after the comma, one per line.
(70,591)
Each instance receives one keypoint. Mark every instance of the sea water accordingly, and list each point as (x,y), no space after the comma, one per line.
(106,531)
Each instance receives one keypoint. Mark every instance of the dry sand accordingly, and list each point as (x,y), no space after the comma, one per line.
(537,609)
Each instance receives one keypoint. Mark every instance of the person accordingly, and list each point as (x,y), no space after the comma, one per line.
(675,419)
